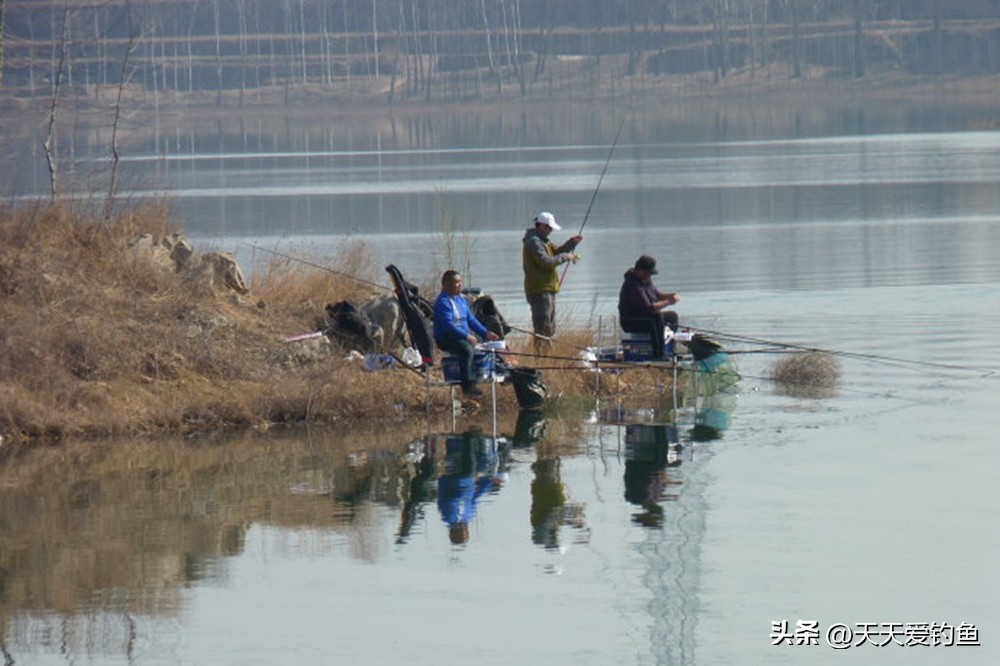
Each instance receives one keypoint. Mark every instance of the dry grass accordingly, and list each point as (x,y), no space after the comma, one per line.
(98,340)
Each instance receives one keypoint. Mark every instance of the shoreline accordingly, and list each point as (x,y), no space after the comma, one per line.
(108,338)
(22,116)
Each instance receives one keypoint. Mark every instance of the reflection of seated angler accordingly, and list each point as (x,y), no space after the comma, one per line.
(463,483)
(640,304)
(646,477)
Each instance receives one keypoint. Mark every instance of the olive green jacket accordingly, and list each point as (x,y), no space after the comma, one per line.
(540,256)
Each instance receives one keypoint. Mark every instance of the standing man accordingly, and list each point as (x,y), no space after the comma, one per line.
(540,257)
(455,327)
(640,304)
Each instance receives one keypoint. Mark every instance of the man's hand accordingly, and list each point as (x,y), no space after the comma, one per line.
(491,336)
(670,299)
(577,238)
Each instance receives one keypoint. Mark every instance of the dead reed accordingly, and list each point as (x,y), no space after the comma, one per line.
(807,374)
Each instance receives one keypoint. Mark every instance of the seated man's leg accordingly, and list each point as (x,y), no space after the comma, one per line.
(657,334)
(466,354)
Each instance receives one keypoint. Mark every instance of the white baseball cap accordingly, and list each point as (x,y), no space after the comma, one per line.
(547,219)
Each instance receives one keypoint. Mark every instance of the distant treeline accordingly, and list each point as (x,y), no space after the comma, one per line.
(445,49)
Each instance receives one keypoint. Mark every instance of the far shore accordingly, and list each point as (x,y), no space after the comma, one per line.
(671,95)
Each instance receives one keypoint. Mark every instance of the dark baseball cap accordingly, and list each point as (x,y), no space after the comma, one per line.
(646,263)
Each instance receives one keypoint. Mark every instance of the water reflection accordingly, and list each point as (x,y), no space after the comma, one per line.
(649,451)
(94,537)
(551,505)
(473,465)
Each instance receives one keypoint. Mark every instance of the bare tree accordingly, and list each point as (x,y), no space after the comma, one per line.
(796,40)
(123,78)
(489,38)
(302,42)
(859,38)
(218,52)
(3,24)
(48,145)
(375,36)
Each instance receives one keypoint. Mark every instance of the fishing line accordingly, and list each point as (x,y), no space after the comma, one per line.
(618,366)
(613,366)
(319,266)
(835,388)
(875,358)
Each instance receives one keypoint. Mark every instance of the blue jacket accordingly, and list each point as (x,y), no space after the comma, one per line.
(453,319)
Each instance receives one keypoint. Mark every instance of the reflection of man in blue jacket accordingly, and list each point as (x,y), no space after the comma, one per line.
(464,482)
(455,327)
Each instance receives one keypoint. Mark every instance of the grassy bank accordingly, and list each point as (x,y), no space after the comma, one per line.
(99,340)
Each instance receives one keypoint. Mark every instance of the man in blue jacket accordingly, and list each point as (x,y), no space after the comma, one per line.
(455,327)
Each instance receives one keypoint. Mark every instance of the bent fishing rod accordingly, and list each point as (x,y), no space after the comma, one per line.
(600,180)
(319,266)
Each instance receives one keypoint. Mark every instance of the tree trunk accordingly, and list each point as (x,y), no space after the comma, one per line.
(938,37)
(122,81)
(241,13)
(302,33)
(375,36)
(3,15)
(49,143)
(489,38)
(796,44)
(859,39)
(218,52)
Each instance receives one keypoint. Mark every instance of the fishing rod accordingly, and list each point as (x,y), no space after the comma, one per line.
(319,266)
(532,333)
(600,180)
(877,358)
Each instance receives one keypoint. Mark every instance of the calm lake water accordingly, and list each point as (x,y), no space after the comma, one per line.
(604,539)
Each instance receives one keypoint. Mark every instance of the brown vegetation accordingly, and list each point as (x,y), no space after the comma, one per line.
(100,340)
(97,340)
(811,374)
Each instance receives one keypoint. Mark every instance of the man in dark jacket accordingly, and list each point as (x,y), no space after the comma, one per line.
(640,304)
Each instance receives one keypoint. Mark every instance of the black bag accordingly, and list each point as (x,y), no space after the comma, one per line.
(345,323)
(485,310)
(529,388)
